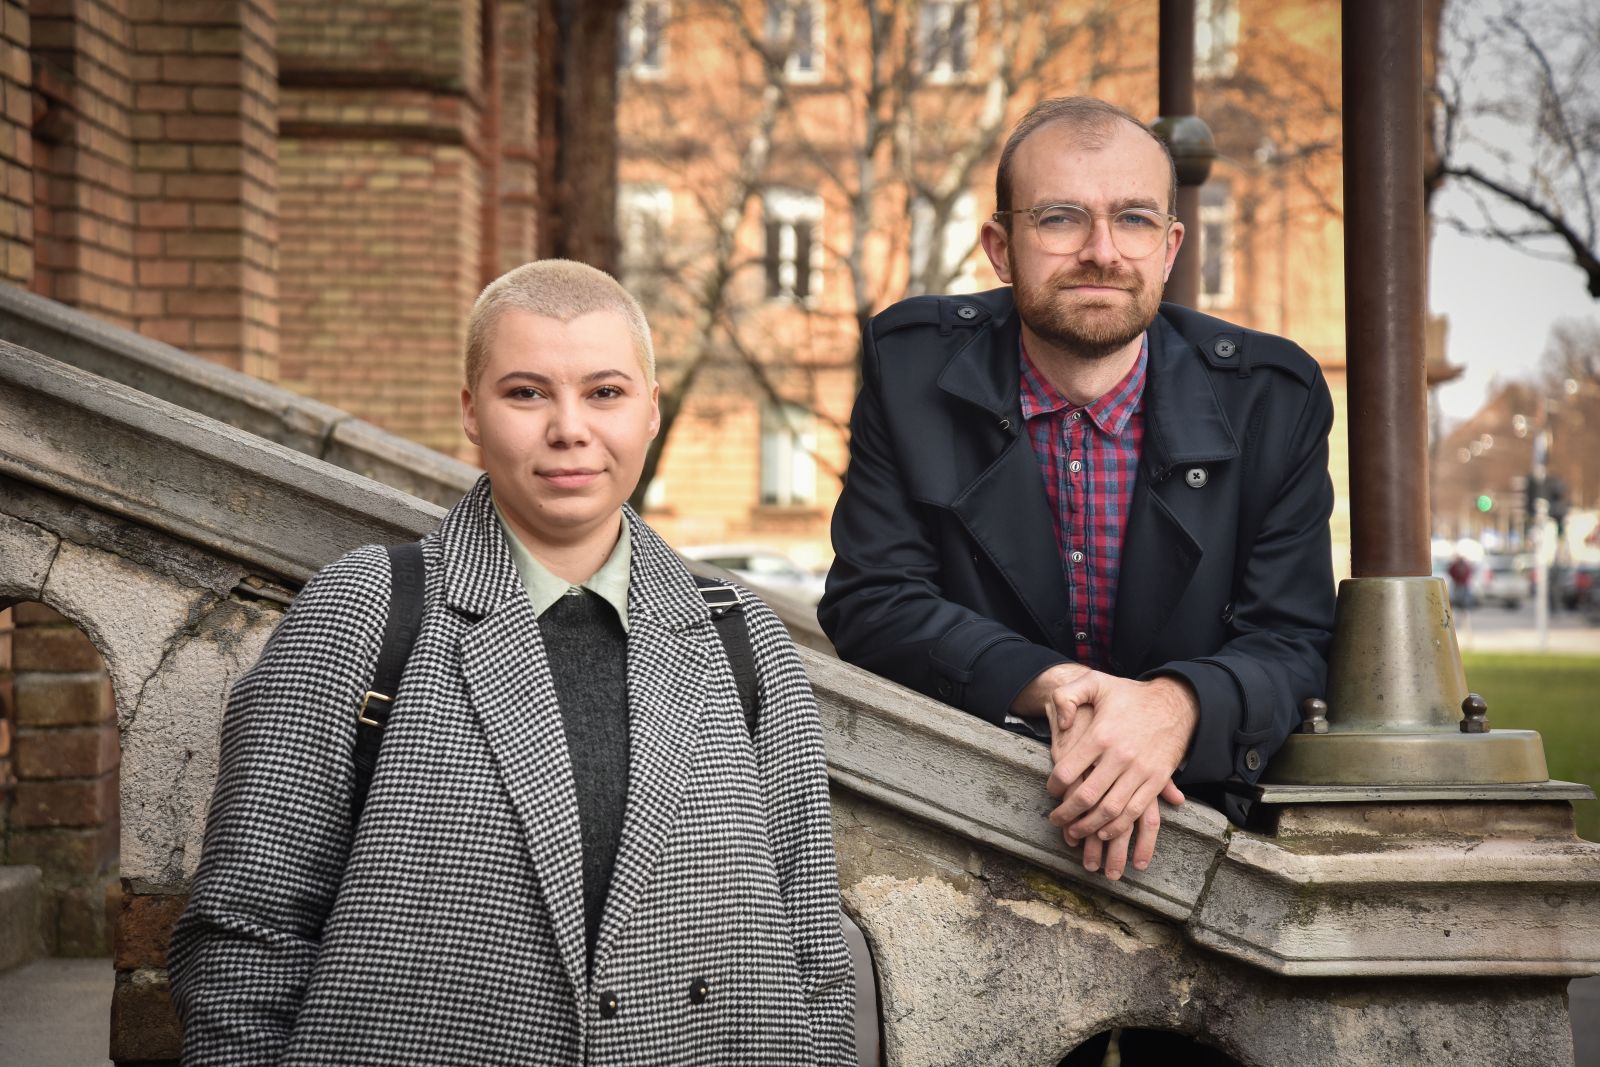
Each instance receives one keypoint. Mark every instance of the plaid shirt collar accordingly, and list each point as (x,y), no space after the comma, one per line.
(1110,413)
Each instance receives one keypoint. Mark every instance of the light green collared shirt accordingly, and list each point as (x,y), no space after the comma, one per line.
(609,583)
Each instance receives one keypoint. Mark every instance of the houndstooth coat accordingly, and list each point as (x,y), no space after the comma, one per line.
(450,930)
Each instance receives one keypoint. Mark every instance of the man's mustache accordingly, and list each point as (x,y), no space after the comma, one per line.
(1114,279)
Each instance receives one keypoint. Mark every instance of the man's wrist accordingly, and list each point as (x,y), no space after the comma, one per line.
(1031,702)
(1182,696)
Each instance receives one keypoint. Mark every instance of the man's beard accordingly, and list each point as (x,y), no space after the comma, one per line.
(1088,329)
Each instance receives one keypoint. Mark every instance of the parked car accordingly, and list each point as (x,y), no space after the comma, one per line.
(1576,587)
(762,568)
(1503,580)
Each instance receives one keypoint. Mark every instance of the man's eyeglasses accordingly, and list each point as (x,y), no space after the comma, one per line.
(1065,228)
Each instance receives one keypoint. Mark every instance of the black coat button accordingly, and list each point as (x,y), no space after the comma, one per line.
(699,990)
(967,311)
(1252,760)
(608,1005)
(943,687)
(1227,613)
(1224,349)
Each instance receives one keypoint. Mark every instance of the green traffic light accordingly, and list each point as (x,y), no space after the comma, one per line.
(1485,502)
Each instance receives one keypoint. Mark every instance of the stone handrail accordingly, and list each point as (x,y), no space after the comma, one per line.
(1289,905)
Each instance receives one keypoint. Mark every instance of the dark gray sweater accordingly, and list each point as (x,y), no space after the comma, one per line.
(588,654)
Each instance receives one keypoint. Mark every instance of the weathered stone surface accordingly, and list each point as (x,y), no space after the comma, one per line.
(170,740)
(1418,888)
(987,785)
(19,916)
(982,959)
(25,554)
(132,615)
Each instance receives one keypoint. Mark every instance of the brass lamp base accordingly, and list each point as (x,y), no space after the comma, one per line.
(1435,758)
(1398,712)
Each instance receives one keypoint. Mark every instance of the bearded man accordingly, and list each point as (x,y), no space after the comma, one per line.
(1069,503)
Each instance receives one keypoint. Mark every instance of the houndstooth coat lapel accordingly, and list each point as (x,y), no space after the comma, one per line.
(510,691)
(508,680)
(668,664)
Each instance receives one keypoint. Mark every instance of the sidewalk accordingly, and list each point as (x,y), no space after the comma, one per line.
(56,1013)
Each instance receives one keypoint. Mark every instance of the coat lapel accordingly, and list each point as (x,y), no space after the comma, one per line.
(669,626)
(1184,424)
(1005,508)
(508,685)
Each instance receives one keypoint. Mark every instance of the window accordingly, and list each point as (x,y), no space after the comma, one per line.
(947,264)
(642,40)
(945,38)
(1216,38)
(788,466)
(1216,244)
(794,30)
(793,246)
(644,218)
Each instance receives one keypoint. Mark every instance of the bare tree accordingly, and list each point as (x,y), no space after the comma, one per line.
(891,114)
(1518,125)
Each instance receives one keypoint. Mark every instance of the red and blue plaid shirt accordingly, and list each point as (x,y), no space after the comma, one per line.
(1089,458)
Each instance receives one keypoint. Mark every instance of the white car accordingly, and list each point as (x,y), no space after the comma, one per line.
(1502,580)
(762,568)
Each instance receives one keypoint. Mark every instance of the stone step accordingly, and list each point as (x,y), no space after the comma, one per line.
(19,916)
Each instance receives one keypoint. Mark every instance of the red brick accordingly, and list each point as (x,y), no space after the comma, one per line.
(54,648)
(66,803)
(165,273)
(79,699)
(222,129)
(200,70)
(144,1025)
(73,752)
(163,215)
(144,926)
(176,332)
(159,38)
(162,98)
(31,612)
(65,853)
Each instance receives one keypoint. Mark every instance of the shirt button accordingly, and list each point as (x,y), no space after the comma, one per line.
(1077,557)
(1075,466)
(608,1005)
(1076,415)
(1081,636)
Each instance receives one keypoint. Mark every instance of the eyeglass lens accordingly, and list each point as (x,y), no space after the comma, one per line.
(1065,229)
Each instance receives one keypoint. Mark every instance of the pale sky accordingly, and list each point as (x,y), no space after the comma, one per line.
(1501,304)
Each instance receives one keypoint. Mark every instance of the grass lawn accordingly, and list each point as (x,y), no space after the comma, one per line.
(1560,697)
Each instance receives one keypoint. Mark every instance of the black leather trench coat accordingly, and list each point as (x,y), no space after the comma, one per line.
(947,576)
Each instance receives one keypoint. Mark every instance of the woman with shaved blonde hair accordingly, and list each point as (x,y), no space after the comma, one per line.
(591,835)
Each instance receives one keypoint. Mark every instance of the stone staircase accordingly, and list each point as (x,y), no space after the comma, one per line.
(19,916)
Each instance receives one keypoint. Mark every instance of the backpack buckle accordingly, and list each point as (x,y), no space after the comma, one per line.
(720,598)
(361,712)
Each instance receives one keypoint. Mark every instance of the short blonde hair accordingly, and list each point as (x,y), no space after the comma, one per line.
(560,289)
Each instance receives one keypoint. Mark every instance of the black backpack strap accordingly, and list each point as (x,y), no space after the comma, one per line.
(406,574)
(727,614)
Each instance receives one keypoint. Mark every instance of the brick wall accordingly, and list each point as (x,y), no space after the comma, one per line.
(206,190)
(83,155)
(64,757)
(16,145)
(381,177)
